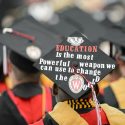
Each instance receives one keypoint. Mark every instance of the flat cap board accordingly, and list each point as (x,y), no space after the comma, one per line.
(29,40)
(76,50)
(93,30)
(116,36)
(62,28)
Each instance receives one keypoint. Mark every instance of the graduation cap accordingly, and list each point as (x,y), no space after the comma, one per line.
(27,42)
(75,64)
(116,36)
(86,22)
(61,28)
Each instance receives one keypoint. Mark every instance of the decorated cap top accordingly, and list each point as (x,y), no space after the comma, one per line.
(76,63)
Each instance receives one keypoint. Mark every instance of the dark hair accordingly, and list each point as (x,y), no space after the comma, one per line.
(2,77)
(22,63)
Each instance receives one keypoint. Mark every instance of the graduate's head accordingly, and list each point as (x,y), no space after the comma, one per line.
(121,60)
(61,95)
(21,69)
(27,43)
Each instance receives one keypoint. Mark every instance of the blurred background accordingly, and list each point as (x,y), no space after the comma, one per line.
(103,11)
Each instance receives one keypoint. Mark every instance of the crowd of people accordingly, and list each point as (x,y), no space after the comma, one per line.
(39,32)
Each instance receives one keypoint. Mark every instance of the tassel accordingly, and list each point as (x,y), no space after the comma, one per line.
(97,107)
(25,36)
(5,69)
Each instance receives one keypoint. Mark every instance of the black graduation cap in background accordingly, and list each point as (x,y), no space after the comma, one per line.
(116,36)
(89,26)
(74,62)
(93,30)
(106,22)
(62,28)
(28,42)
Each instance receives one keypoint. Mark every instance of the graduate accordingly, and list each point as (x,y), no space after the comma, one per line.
(110,49)
(84,23)
(75,95)
(114,93)
(23,104)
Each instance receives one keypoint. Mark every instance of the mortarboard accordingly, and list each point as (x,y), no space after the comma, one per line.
(61,28)
(73,63)
(86,22)
(27,42)
(116,36)
(89,25)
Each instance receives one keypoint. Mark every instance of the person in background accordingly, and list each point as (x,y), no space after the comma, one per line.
(23,104)
(49,100)
(114,94)
(110,49)
(26,92)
